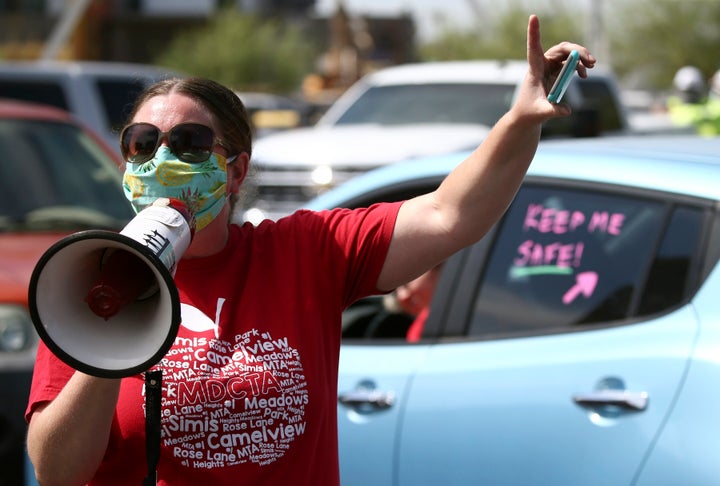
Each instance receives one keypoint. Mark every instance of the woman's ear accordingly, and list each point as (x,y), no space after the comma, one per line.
(236,172)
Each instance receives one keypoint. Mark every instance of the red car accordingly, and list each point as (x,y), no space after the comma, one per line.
(57,177)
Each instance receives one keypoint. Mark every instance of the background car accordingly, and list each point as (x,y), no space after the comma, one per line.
(407,111)
(56,177)
(577,343)
(271,113)
(98,93)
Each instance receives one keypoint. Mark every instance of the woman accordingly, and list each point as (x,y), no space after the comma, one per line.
(251,382)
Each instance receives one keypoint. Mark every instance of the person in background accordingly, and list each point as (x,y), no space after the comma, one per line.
(715,85)
(415,297)
(713,107)
(250,389)
(692,105)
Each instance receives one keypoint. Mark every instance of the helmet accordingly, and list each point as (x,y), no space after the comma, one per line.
(690,84)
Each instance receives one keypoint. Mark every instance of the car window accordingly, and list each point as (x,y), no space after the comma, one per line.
(669,278)
(565,257)
(53,175)
(45,92)
(378,317)
(117,98)
(431,103)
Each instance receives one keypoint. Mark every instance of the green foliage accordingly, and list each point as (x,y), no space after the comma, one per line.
(244,52)
(503,36)
(655,38)
(647,40)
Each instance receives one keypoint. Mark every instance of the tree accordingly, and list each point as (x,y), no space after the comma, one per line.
(647,40)
(503,35)
(244,52)
(652,39)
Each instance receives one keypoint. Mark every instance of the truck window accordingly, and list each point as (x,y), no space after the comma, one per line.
(431,103)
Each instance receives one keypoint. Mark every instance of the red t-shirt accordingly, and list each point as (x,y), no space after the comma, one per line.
(250,384)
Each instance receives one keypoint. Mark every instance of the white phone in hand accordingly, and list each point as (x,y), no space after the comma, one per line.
(563,80)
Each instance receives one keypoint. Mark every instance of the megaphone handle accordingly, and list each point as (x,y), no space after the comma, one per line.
(153,400)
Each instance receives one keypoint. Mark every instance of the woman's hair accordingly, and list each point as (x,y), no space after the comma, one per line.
(222,102)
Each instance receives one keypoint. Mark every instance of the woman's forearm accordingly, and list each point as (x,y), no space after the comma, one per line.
(68,437)
(474,196)
(469,201)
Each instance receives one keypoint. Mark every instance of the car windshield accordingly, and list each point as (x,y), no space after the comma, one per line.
(53,176)
(431,103)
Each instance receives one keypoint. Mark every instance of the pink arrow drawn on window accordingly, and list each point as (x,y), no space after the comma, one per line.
(585,283)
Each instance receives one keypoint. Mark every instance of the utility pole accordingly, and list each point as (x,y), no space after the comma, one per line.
(64,28)
(598,39)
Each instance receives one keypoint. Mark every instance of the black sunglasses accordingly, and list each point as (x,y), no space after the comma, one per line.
(190,142)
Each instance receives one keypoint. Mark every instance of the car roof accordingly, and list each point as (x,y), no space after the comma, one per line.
(682,164)
(10,108)
(509,71)
(94,68)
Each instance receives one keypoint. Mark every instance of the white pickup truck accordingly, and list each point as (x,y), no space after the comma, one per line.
(99,94)
(405,112)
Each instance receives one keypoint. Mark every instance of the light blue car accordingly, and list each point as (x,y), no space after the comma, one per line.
(577,344)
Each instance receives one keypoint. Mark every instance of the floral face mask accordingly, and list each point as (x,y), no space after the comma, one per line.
(202,186)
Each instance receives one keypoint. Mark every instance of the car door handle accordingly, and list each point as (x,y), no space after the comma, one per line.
(628,400)
(373,398)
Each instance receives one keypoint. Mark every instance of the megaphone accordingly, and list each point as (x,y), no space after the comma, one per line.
(105,303)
